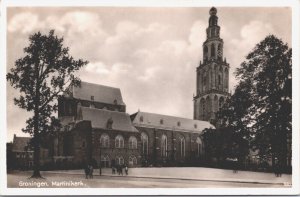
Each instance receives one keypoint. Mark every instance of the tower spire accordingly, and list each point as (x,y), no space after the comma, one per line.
(213,30)
(212,74)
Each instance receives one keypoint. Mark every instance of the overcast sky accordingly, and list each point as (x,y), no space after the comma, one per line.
(151,54)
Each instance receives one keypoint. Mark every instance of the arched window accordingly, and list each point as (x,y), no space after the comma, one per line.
(203,107)
(182,146)
(132,160)
(226,79)
(204,82)
(219,52)
(109,123)
(221,102)
(141,119)
(208,104)
(115,102)
(119,160)
(205,52)
(164,146)
(212,51)
(220,78)
(104,141)
(144,138)
(105,161)
(178,123)
(161,121)
(216,105)
(199,146)
(132,142)
(119,142)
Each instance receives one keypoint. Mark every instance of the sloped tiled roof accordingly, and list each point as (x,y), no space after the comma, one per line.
(19,143)
(101,93)
(145,119)
(100,117)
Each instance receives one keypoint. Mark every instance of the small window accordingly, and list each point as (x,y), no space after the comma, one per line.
(115,102)
(109,123)
(141,119)
(83,144)
(92,98)
(178,123)
(161,121)
(195,126)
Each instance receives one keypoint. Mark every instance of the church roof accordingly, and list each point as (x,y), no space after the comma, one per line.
(100,93)
(19,143)
(100,118)
(145,119)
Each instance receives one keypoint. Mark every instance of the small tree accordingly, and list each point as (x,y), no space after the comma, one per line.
(41,76)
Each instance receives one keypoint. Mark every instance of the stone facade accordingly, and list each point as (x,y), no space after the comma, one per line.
(212,74)
(96,128)
(170,141)
(99,134)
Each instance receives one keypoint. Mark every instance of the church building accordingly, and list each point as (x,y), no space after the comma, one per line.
(96,128)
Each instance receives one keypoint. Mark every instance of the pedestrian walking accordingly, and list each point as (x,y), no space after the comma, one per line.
(91,170)
(113,170)
(118,169)
(86,171)
(126,170)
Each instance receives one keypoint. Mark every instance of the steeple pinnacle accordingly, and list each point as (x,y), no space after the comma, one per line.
(213,11)
(213,19)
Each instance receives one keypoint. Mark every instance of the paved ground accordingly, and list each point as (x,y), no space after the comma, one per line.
(152,178)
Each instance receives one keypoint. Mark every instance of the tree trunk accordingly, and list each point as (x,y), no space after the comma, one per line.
(36,171)
(36,136)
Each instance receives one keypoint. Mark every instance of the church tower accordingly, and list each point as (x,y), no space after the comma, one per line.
(212,74)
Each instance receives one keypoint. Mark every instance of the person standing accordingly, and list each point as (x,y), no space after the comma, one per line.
(121,169)
(86,171)
(91,170)
(118,169)
(126,169)
(113,170)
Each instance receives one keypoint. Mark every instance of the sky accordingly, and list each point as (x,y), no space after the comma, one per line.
(151,54)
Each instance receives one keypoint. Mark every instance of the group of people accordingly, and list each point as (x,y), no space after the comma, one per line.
(119,169)
(88,171)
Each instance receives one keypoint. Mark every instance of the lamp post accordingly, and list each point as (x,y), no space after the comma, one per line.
(100,167)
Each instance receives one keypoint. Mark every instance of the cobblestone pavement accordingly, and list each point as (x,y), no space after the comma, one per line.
(152,178)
